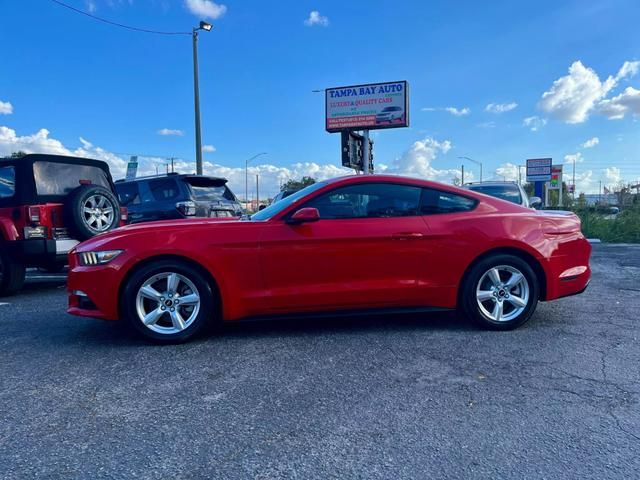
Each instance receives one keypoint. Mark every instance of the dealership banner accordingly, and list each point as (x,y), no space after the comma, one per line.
(367,107)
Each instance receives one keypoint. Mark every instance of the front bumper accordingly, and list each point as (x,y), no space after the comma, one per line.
(93,291)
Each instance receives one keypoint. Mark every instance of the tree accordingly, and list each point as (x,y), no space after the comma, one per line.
(18,154)
(296,185)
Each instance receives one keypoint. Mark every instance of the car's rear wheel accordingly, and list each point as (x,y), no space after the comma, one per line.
(168,302)
(12,274)
(500,292)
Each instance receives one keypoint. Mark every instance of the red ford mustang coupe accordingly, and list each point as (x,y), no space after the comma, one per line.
(358,243)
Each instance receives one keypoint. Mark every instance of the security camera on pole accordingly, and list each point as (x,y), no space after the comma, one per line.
(363,108)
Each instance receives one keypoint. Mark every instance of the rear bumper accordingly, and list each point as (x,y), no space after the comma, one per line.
(37,252)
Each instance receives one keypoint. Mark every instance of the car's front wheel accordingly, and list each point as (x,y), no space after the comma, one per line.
(168,301)
(500,292)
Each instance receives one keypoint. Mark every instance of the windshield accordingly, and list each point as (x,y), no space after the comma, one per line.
(504,192)
(275,208)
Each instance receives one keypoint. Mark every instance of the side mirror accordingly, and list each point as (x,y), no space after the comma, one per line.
(535,202)
(304,215)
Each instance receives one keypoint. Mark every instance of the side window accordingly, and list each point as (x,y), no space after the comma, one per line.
(128,193)
(437,201)
(7,182)
(368,200)
(164,189)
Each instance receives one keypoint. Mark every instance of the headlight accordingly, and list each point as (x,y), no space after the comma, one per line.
(97,258)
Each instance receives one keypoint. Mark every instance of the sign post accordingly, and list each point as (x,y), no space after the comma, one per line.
(365,107)
(132,168)
(555,183)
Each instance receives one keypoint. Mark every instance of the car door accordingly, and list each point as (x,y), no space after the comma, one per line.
(455,239)
(363,252)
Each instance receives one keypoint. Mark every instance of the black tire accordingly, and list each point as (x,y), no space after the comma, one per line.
(514,315)
(205,317)
(84,225)
(11,274)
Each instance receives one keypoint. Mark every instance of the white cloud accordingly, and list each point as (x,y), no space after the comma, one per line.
(208,148)
(458,112)
(415,161)
(628,70)
(574,158)
(500,107)
(592,142)
(205,8)
(40,142)
(486,125)
(462,112)
(6,108)
(573,97)
(584,181)
(613,174)
(316,19)
(168,132)
(535,123)
(616,108)
(507,172)
(91,6)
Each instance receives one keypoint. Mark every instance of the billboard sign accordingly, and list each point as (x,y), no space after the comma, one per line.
(555,182)
(367,107)
(538,169)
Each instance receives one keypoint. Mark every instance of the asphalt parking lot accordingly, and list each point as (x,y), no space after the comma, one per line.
(386,397)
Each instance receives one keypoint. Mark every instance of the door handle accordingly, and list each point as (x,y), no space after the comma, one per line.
(407,236)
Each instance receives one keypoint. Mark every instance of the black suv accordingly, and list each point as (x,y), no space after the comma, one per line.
(48,203)
(175,196)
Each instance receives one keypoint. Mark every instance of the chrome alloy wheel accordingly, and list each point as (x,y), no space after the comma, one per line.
(502,293)
(97,213)
(167,303)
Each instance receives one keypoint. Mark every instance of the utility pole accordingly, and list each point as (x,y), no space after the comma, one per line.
(196,93)
(172,169)
(246,174)
(476,162)
(462,179)
(520,174)
(600,192)
(257,191)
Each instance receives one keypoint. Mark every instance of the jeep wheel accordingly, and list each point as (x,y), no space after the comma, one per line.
(11,274)
(90,210)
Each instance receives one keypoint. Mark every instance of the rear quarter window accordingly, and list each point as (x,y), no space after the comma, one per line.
(438,202)
(7,181)
(128,193)
(164,189)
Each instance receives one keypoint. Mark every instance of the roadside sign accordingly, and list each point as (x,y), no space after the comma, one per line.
(538,169)
(132,168)
(555,183)
(367,107)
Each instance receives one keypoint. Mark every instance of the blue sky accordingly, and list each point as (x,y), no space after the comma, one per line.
(106,92)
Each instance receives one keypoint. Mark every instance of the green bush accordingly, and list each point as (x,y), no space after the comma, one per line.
(621,228)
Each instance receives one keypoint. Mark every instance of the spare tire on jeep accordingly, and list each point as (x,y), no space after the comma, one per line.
(90,210)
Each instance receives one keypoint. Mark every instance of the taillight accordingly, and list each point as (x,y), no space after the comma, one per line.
(188,209)
(34,215)
(124,214)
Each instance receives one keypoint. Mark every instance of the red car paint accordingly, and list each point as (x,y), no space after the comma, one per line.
(272,267)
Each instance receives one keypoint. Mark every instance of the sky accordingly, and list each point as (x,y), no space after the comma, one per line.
(496,81)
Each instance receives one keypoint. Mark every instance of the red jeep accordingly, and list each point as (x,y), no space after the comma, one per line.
(49,203)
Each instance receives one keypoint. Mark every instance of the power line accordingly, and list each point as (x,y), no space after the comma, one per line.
(116,24)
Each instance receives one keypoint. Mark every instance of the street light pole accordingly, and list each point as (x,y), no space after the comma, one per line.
(476,162)
(246,175)
(196,94)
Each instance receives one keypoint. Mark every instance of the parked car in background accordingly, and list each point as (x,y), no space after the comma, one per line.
(282,194)
(174,196)
(389,115)
(509,191)
(48,203)
(355,243)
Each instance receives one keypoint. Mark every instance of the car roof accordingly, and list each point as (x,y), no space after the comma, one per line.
(187,176)
(491,184)
(39,157)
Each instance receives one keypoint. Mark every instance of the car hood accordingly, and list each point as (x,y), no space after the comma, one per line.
(186,226)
